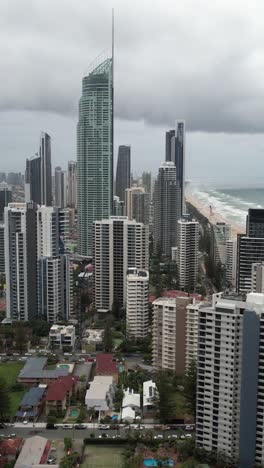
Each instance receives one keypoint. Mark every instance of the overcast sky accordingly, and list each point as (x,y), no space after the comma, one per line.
(200,60)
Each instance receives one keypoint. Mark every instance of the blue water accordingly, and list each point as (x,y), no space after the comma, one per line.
(154,462)
(232,204)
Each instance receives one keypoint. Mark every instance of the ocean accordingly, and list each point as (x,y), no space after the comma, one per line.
(232,204)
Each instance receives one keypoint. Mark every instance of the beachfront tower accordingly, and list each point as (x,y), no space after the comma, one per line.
(94,152)
(175,152)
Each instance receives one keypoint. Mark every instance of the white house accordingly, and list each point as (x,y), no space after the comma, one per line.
(60,336)
(130,405)
(101,393)
(149,394)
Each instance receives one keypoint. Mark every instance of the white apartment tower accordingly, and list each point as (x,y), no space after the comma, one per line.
(230,378)
(119,244)
(187,252)
(220,234)
(21,261)
(231,263)
(137,303)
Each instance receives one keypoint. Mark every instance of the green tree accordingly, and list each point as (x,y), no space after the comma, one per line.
(190,387)
(164,400)
(5,405)
(20,339)
(108,338)
(67,443)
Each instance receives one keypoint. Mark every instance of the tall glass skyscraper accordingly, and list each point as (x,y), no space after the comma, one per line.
(123,171)
(175,152)
(94,153)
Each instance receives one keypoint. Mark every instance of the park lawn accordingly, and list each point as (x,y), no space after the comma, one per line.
(103,456)
(9,372)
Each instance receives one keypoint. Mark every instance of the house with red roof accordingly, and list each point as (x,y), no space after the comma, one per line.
(9,450)
(105,365)
(59,394)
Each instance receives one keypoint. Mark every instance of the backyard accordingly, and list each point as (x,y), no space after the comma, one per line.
(103,456)
(9,372)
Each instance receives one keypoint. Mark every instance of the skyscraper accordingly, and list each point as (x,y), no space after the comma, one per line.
(119,244)
(175,152)
(60,188)
(229,401)
(250,248)
(21,261)
(220,234)
(165,216)
(123,171)
(72,184)
(137,303)
(33,180)
(137,204)
(94,153)
(187,253)
(5,198)
(45,169)
(146,182)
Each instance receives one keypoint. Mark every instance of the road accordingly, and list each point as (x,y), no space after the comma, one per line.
(26,431)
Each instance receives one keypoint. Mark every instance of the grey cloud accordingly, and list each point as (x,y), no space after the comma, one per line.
(199,60)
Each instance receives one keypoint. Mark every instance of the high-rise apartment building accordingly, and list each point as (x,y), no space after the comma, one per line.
(21,261)
(47,222)
(72,184)
(165,216)
(137,203)
(5,198)
(231,263)
(257,277)
(250,248)
(230,384)
(33,180)
(169,333)
(119,244)
(123,169)
(220,234)
(60,188)
(187,253)
(146,182)
(2,248)
(45,169)
(94,153)
(175,152)
(137,303)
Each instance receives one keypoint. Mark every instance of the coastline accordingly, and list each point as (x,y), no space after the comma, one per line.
(213,217)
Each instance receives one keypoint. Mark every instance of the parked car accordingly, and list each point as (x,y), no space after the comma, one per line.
(189,428)
(51,426)
(103,426)
(79,426)
(67,426)
(25,421)
(188,436)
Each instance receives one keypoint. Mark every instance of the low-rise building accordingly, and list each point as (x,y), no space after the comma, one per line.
(31,404)
(59,394)
(105,365)
(93,337)
(150,394)
(62,337)
(34,452)
(101,393)
(35,371)
(130,405)
(9,450)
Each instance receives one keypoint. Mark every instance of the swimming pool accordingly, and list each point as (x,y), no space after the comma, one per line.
(74,413)
(154,462)
(64,366)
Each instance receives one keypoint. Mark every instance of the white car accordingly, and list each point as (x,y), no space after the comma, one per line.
(188,436)
(25,421)
(67,426)
(189,428)
(159,436)
(182,436)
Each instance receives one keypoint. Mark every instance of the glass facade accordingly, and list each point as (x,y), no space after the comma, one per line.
(94,153)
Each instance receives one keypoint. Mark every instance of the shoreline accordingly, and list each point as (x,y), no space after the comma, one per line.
(213,217)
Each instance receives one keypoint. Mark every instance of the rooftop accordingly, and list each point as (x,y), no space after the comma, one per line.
(33,396)
(105,364)
(149,392)
(34,369)
(32,452)
(131,398)
(58,390)
(10,447)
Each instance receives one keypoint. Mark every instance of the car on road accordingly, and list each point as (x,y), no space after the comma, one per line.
(182,437)
(158,436)
(103,426)
(172,436)
(51,426)
(25,421)
(79,426)
(188,436)
(67,426)
(189,428)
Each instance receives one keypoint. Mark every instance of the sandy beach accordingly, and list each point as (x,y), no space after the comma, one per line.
(213,217)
